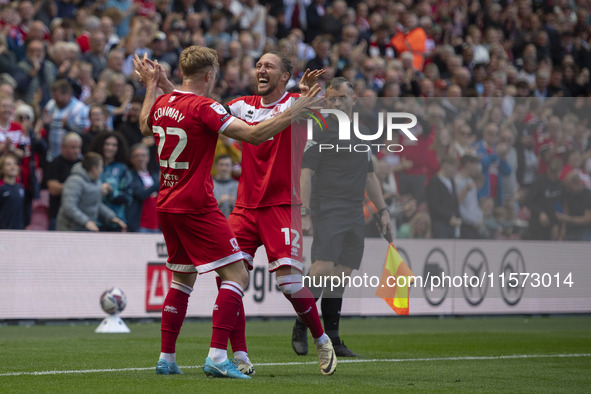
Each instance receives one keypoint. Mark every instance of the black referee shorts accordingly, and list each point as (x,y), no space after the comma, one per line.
(339,231)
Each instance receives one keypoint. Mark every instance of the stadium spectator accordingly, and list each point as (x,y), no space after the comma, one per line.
(321,45)
(62,114)
(252,18)
(113,148)
(379,43)
(108,29)
(225,188)
(57,172)
(115,60)
(418,227)
(12,136)
(492,155)
(34,74)
(160,51)
(34,148)
(574,163)
(545,200)
(227,146)
(315,11)
(333,187)
(127,9)
(576,219)
(491,228)
(97,114)
(119,95)
(509,181)
(12,194)
(96,53)
(8,58)
(81,205)
(141,213)
(217,30)
(411,38)
(412,179)
(91,24)
(470,212)
(442,200)
(129,127)
(14,139)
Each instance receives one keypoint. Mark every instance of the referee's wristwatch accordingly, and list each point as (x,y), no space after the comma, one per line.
(304,211)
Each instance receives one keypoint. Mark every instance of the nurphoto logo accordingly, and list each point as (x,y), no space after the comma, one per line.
(392,124)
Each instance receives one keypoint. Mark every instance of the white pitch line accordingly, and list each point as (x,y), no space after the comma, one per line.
(341,361)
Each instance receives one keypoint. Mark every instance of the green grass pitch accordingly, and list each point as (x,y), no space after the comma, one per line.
(489,354)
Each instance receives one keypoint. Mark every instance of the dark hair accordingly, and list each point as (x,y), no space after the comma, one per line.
(337,82)
(467,159)
(286,65)
(449,159)
(91,160)
(62,86)
(98,144)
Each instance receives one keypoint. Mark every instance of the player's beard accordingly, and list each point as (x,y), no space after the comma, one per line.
(271,86)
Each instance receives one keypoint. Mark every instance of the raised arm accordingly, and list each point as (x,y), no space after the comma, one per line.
(152,76)
(240,130)
(144,68)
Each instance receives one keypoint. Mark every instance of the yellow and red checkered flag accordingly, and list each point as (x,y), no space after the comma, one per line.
(395,296)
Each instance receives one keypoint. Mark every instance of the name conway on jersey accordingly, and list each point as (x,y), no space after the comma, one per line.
(181,137)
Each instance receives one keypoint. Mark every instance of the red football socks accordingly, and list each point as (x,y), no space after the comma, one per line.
(238,334)
(304,304)
(173,315)
(227,307)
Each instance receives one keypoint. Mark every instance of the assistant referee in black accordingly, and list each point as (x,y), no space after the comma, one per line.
(333,183)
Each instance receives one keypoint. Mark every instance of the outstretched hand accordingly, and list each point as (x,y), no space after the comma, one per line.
(309,79)
(306,101)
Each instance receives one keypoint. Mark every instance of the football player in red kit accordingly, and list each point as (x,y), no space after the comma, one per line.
(185,125)
(267,207)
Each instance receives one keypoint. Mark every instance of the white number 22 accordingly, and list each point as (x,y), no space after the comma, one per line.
(171,162)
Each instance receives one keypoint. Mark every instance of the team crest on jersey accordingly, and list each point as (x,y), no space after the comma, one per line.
(276,111)
(171,99)
(217,107)
(234,243)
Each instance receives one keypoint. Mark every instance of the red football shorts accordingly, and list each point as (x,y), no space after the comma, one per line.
(278,228)
(198,243)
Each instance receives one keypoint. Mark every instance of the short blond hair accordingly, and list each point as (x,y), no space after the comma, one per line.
(195,59)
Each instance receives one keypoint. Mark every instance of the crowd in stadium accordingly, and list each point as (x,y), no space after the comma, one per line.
(501,90)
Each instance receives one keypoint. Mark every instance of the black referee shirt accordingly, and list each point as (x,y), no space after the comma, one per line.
(339,174)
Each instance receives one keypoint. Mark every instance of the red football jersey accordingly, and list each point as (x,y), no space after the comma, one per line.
(270,171)
(186,128)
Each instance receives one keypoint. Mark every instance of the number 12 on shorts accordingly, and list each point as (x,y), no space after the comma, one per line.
(296,236)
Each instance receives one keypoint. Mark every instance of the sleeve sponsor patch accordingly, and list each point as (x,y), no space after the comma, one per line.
(224,118)
(217,107)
